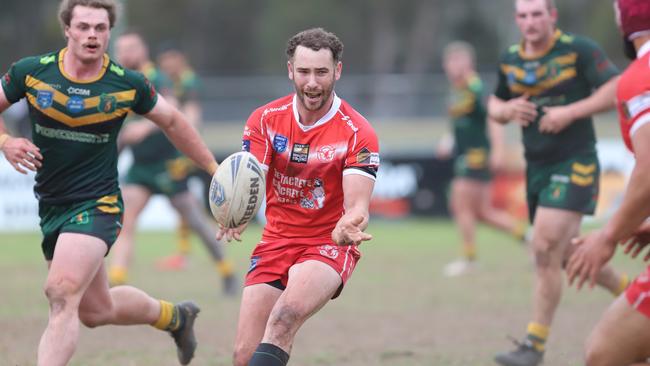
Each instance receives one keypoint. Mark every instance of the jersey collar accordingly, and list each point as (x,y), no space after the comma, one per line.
(328,116)
(643,50)
(522,49)
(85,81)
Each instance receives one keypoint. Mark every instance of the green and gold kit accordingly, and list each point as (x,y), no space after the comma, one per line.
(562,168)
(571,68)
(468,117)
(75,123)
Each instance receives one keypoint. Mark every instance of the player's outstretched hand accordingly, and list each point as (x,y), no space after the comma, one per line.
(591,253)
(231,233)
(638,241)
(22,154)
(555,119)
(348,231)
(521,110)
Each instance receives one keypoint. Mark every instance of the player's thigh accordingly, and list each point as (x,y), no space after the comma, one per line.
(466,194)
(311,285)
(553,228)
(135,199)
(97,298)
(77,258)
(256,304)
(621,337)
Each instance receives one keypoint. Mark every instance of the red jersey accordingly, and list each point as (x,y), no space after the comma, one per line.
(306,164)
(633,96)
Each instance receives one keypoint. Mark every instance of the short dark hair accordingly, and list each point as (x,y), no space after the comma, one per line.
(316,39)
(67,6)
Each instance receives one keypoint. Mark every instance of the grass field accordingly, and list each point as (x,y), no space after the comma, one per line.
(396,310)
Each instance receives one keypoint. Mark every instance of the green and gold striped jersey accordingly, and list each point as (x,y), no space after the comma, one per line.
(468,116)
(75,123)
(568,71)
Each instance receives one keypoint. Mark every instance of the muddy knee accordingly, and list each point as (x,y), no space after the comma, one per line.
(284,321)
(62,294)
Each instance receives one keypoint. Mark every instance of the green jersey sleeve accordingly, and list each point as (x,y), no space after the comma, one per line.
(503,90)
(593,63)
(146,95)
(13,82)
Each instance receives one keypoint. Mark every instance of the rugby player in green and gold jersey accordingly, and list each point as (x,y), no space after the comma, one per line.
(158,168)
(552,83)
(78,98)
(186,88)
(470,198)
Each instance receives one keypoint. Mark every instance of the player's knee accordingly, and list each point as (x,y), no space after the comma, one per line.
(62,293)
(285,318)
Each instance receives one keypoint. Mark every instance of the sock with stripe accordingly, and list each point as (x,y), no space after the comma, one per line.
(225,268)
(170,318)
(537,335)
(624,281)
(268,354)
(469,252)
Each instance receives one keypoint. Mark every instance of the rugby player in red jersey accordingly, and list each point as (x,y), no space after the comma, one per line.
(622,336)
(321,158)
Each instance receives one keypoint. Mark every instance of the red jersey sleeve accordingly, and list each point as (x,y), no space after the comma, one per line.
(363,153)
(256,140)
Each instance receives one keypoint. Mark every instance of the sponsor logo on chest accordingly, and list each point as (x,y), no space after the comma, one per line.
(300,153)
(78,91)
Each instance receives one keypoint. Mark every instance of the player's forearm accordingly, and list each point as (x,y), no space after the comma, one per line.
(497,110)
(603,99)
(635,208)
(188,141)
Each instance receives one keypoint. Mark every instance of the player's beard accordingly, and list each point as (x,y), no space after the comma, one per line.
(326,96)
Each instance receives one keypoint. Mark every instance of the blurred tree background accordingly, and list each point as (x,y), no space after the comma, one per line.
(244,37)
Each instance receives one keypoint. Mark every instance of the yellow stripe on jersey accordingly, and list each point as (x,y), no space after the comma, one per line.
(79,121)
(125,96)
(34,83)
(544,85)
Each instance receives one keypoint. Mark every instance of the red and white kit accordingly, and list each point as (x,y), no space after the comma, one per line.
(304,195)
(633,102)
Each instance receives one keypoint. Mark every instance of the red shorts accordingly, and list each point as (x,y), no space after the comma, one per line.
(270,261)
(638,294)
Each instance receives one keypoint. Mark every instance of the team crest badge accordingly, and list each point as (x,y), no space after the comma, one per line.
(329,251)
(80,218)
(280,143)
(107,103)
(326,153)
(44,98)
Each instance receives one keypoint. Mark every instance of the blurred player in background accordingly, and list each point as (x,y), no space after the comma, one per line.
(321,158)
(622,336)
(185,88)
(552,83)
(474,156)
(158,168)
(78,98)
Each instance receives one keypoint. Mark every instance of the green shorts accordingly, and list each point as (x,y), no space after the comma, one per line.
(571,185)
(167,177)
(101,218)
(473,164)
